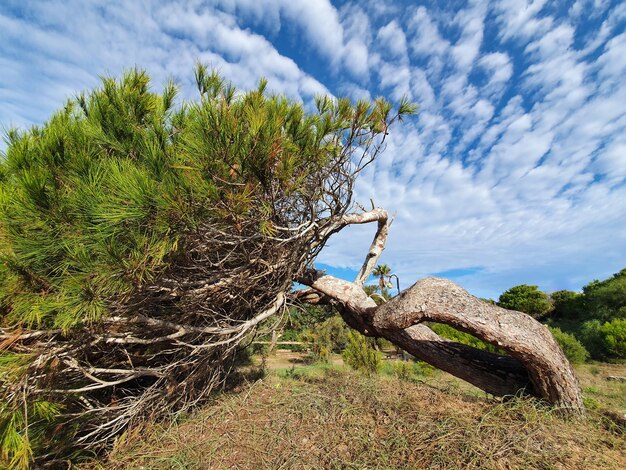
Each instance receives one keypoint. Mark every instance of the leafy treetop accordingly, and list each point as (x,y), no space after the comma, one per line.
(97,201)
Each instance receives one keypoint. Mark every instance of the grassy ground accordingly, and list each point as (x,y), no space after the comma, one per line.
(316,416)
(599,393)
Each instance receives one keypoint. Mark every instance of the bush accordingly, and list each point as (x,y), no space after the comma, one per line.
(614,338)
(606,300)
(327,337)
(591,337)
(572,348)
(527,299)
(403,369)
(360,354)
(424,369)
(605,340)
(448,332)
(567,304)
(291,335)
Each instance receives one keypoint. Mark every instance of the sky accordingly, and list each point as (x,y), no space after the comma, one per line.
(513,171)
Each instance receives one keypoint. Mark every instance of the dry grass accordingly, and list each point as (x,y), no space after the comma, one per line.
(316,417)
(605,394)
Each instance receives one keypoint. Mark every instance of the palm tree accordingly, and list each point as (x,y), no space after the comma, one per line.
(383,272)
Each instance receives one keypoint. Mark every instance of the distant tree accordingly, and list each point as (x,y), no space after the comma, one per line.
(606,300)
(566,304)
(382,271)
(380,291)
(527,299)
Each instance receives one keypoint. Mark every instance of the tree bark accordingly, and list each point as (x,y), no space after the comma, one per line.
(534,365)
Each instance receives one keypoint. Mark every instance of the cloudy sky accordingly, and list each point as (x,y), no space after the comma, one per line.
(512,172)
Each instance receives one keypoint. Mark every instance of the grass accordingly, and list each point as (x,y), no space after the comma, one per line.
(325,416)
(608,395)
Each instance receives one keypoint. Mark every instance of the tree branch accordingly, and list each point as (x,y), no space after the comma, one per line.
(524,338)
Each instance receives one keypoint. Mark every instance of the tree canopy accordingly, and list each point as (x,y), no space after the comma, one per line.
(527,299)
(142,239)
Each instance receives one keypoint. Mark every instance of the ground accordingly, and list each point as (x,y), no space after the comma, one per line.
(326,416)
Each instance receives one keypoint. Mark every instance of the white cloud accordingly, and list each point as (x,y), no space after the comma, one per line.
(527,185)
(467,47)
(56,58)
(520,19)
(498,65)
(426,39)
(392,40)
(612,63)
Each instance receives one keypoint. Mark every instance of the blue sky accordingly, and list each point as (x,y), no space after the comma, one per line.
(513,171)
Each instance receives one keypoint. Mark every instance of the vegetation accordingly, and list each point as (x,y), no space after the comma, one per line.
(330,336)
(593,320)
(332,418)
(527,299)
(597,316)
(448,332)
(141,242)
(573,349)
(361,355)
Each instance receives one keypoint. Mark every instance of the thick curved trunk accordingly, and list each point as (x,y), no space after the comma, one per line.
(535,365)
(521,336)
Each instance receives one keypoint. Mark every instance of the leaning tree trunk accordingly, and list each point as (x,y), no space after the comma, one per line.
(535,363)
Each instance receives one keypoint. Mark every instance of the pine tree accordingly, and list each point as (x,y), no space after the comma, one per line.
(142,240)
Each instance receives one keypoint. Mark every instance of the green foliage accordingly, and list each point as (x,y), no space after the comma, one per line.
(361,355)
(307,316)
(527,299)
(96,201)
(403,369)
(123,186)
(614,338)
(572,348)
(605,340)
(595,317)
(448,332)
(606,300)
(424,369)
(381,291)
(566,304)
(590,335)
(327,337)
(24,427)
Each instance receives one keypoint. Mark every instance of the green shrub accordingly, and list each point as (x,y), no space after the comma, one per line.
(605,340)
(572,348)
(448,332)
(403,369)
(591,337)
(527,299)
(291,335)
(606,300)
(614,338)
(327,337)
(424,369)
(360,354)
